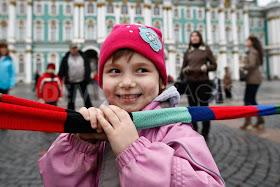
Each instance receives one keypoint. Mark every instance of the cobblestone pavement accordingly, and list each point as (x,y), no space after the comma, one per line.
(243,158)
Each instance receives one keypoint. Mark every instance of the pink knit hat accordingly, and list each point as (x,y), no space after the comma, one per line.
(142,39)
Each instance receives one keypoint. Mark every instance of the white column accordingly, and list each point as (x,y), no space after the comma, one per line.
(208,23)
(117,14)
(28,60)
(171,64)
(76,22)
(29,22)
(236,65)
(222,60)
(246,21)
(131,12)
(101,29)
(165,25)
(82,24)
(12,22)
(147,13)
(170,25)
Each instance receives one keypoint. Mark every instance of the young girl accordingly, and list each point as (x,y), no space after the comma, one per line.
(49,86)
(133,76)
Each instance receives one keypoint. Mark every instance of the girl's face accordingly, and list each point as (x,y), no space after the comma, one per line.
(3,51)
(195,38)
(249,43)
(131,84)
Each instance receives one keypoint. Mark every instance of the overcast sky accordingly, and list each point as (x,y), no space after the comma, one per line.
(265,2)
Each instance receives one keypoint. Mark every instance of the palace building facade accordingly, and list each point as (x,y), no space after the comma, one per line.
(40,31)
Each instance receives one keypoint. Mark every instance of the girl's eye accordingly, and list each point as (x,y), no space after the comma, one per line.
(141,70)
(115,71)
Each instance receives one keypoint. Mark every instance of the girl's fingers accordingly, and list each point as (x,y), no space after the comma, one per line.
(99,128)
(85,113)
(110,114)
(105,124)
(121,114)
(92,115)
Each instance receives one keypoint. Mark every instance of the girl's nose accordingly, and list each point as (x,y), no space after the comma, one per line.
(127,82)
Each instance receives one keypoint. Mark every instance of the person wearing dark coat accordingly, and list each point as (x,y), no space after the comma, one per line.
(75,72)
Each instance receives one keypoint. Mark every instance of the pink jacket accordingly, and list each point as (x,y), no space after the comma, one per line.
(171,155)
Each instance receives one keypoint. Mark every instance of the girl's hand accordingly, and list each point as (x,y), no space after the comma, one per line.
(91,115)
(122,132)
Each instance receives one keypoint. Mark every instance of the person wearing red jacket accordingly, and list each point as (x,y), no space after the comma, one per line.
(49,86)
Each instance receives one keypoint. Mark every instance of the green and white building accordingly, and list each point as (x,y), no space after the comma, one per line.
(40,31)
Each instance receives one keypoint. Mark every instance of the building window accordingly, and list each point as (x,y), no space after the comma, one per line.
(138,9)
(67,31)
(110,8)
(240,34)
(252,25)
(53,9)
(90,8)
(38,8)
(189,30)
(4,7)
(260,21)
(156,10)
(178,64)
(226,15)
(21,8)
(91,30)
(213,15)
(110,25)
(238,15)
(3,29)
(199,13)
(177,33)
(228,34)
(21,64)
(201,30)
(188,13)
(176,12)
(124,8)
(38,31)
(21,30)
(53,31)
(38,64)
(68,9)
(157,24)
(214,34)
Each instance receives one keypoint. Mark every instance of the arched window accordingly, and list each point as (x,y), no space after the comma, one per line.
(156,10)
(91,30)
(213,14)
(4,28)
(138,9)
(68,31)
(39,31)
(53,31)
(53,58)
(214,34)
(188,13)
(157,24)
(176,12)
(21,30)
(90,8)
(201,30)
(124,8)
(110,25)
(21,8)
(189,30)
(177,33)
(110,8)
(239,34)
(199,13)
(21,64)
(228,34)
(178,64)
(68,9)
(38,64)
(38,8)
(4,7)
(53,9)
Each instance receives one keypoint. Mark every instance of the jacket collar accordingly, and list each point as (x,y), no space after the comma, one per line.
(202,47)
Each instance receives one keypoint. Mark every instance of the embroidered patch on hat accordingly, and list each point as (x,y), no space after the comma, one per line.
(151,37)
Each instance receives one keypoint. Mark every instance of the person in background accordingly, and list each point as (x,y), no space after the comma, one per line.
(132,74)
(197,63)
(7,70)
(75,71)
(49,86)
(227,83)
(252,63)
(37,76)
